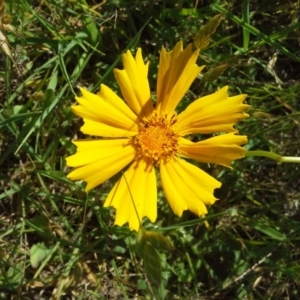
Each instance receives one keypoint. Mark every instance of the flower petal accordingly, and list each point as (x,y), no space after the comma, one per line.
(98,160)
(110,118)
(134,84)
(221,149)
(134,196)
(106,93)
(177,70)
(99,129)
(187,187)
(213,113)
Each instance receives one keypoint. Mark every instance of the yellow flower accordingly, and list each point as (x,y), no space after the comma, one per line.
(145,135)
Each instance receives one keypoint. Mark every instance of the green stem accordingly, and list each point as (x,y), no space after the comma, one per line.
(274,156)
(290,159)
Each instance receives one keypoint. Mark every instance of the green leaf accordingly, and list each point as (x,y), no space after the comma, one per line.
(18,117)
(152,265)
(142,285)
(140,242)
(246,19)
(271,232)
(42,223)
(158,241)
(37,253)
(92,31)
(13,277)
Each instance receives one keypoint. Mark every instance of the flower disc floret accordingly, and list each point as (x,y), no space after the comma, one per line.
(156,140)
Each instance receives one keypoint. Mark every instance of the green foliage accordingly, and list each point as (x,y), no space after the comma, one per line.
(214,73)
(203,35)
(147,245)
(59,242)
(37,253)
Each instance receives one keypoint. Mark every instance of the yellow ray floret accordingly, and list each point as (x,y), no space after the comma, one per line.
(213,113)
(134,196)
(221,149)
(187,187)
(177,70)
(133,82)
(98,160)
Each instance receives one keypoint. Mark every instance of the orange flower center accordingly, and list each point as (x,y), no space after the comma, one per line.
(156,140)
